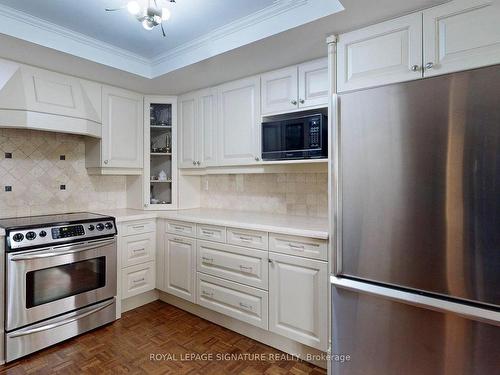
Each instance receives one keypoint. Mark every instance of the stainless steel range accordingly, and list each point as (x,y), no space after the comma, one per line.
(60,278)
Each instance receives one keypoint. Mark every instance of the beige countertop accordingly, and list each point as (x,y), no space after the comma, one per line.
(284,224)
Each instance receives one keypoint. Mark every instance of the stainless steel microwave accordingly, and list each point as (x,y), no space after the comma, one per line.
(295,137)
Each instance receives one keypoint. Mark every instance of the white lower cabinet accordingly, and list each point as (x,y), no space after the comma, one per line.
(298,306)
(180,267)
(235,300)
(138,279)
(138,249)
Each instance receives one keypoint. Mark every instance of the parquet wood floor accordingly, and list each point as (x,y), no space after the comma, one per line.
(125,346)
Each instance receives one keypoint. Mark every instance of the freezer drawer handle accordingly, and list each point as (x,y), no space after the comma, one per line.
(25,332)
(53,252)
(414,299)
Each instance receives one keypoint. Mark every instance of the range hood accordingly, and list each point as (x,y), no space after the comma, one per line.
(33,98)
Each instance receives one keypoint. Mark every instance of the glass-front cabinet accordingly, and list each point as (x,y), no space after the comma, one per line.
(160,158)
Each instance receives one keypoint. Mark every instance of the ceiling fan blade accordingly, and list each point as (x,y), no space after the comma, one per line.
(163,30)
(113,9)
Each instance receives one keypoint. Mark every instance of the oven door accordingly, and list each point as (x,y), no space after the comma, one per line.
(47,282)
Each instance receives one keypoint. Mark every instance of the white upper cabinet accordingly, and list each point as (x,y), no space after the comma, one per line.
(239,122)
(296,87)
(313,83)
(198,129)
(207,140)
(122,128)
(188,137)
(461,35)
(40,99)
(384,53)
(279,90)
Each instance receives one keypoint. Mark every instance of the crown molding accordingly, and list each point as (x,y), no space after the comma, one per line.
(277,17)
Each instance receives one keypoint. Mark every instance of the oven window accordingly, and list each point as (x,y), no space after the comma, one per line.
(294,136)
(50,284)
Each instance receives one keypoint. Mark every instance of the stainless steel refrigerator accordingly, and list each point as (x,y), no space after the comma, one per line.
(416,287)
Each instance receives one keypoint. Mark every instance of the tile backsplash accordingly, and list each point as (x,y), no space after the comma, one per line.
(282,193)
(46,174)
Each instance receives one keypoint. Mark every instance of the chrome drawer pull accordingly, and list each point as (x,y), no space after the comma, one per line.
(139,250)
(209,260)
(245,268)
(138,280)
(138,227)
(247,239)
(296,246)
(208,233)
(180,228)
(208,294)
(245,306)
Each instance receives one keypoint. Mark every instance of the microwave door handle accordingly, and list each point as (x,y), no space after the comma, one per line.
(74,318)
(71,249)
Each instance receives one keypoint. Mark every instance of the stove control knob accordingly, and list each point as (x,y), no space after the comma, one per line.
(18,237)
(42,233)
(109,226)
(100,227)
(91,227)
(30,236)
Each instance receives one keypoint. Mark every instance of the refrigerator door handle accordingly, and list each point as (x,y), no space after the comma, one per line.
(414,299)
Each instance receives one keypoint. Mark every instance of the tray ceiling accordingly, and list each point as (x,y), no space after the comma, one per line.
(197,29)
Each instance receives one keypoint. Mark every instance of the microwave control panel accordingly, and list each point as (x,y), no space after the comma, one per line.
(314,133)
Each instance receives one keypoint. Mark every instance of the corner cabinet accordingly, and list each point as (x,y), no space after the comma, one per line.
(239,122)
(160,152)
(120,150)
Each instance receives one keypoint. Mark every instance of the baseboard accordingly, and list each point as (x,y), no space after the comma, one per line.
(284,344)
(139,300)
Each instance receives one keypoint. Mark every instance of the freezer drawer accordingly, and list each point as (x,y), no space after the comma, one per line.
(396,332)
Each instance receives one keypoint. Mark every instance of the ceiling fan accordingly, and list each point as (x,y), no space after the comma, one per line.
(150,15)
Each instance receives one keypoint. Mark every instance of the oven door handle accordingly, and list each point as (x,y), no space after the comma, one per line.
(62,251)
(74,318)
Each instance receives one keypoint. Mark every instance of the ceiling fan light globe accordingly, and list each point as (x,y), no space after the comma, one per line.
(165,14)
(133,8)
(157,19)
(147,24)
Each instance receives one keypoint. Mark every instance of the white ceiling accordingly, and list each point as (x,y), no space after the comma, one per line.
(197,30)
(293,46)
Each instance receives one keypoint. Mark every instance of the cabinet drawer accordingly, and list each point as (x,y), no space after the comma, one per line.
(138,279)
(298,246)
(183,228)
(238,301)
(248,238)
(211,232)
(138,249)
(138,227)
(246,266)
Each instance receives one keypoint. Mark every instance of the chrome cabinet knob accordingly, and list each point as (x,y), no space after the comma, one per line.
(302,101)
(294,102)
(429,65)
(194,163)
(105,161)
(198,163)
(257,158)
(415,68)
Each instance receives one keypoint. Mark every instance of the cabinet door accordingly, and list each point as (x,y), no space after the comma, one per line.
(380,54)
(279,90)
(122,129)
(180,267)
(239,121)
(313,83)
(461,35)
(187,131)
(207,127)
(298,299)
